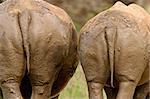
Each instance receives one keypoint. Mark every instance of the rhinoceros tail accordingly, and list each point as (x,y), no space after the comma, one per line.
(111,37)
(24,21)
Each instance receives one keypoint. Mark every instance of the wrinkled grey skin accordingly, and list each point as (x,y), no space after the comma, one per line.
(114,50)
(41,39)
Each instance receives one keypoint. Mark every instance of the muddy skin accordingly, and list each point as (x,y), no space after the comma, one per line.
(114,50)
(141,92)
(40,39)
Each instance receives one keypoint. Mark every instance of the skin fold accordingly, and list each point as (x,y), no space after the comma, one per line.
(38,40)
(114,52)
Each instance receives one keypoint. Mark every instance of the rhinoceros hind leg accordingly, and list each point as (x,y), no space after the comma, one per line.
(40,92)
(126,90)
(11,90)
(95,90)
(141,92)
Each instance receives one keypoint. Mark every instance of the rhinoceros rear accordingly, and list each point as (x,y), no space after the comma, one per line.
(37,37)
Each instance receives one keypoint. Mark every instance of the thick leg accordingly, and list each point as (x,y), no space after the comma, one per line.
(111,92)
(95,90)
(11,90)
(42,80)
(44,71)
(126,90)
(46,58)
(94,60)
(130,63)
(41,92)
(141,92)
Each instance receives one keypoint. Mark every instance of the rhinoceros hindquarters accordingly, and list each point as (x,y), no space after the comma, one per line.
(127,51)
(12,59)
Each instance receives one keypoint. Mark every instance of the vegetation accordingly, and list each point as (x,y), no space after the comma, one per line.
(77,87)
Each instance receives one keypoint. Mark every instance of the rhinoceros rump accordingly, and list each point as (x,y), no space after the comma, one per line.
(114,52)
(40,38)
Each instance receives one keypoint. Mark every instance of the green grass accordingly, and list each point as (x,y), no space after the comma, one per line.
(76,88)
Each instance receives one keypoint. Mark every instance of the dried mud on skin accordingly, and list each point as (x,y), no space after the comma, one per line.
(114,50)
(40,39)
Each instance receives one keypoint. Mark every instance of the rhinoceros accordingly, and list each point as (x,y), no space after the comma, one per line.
(37,39)
(114,49)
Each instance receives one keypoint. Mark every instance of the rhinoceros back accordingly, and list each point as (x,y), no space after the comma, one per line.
(36,22)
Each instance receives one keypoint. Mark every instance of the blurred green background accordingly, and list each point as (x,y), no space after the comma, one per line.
(76,88)
(81,11)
